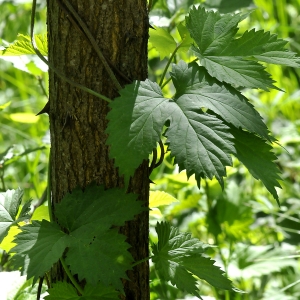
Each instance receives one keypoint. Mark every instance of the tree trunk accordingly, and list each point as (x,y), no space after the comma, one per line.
(79,155)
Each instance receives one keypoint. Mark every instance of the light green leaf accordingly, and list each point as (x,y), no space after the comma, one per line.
(7,243)
(23,117)
(3,106)
(9,206)
(22,46)
(41,213)
(233,60)
(162,40)
(193,84)
(41,244)
(159,198)
(256,155)
(174,256)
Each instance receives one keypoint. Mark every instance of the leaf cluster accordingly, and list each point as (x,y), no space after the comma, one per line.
(208,119)
(89,221)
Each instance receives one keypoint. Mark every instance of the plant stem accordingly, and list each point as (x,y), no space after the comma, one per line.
(167,65)
(63,77)
(71,277)
(94,44)
(141,261)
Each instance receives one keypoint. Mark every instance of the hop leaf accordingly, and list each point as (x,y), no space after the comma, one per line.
(233,60)
(10,202)
(178,257)
(22,46)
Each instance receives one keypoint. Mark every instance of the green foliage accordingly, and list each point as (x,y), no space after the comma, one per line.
(178,257)
(39,246)
(201,142)
(88,217)
(22,46)
(65,291)
(232,60)
(257,244)
(9,207)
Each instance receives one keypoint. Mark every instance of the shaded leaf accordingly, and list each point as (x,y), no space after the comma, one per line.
(177,258)
(256,155)
(89,216)
(106,258)
(41,244)
(226,6)
(65,291)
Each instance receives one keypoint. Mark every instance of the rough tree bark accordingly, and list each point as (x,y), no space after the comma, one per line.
(78,120)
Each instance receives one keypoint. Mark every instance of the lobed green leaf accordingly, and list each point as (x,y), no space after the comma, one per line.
(178,258)
(234,60)
(256,155)
(65,291)
(40,244)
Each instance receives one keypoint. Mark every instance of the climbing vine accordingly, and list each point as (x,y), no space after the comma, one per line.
(203,124)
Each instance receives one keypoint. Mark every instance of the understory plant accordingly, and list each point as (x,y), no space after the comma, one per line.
(197,114)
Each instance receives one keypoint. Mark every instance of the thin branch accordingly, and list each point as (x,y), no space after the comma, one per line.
(167,65)
(94,44)
(71,277)
(63,77)
(39,291)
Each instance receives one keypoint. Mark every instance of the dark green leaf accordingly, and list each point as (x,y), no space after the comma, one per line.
(136,122)
(232,60)
(97,208)
(194,85)
(174,256)
(200,142)
(62,291)
(42,244)
(256,155)
(105,256)
(89,216)
(65,291)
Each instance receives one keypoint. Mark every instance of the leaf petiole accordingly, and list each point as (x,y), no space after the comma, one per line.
(167,65)
(71,277)
(141,261)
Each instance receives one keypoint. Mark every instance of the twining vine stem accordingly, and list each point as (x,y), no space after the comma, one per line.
(63,77)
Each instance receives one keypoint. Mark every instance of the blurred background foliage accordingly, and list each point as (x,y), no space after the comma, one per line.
(257,242)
